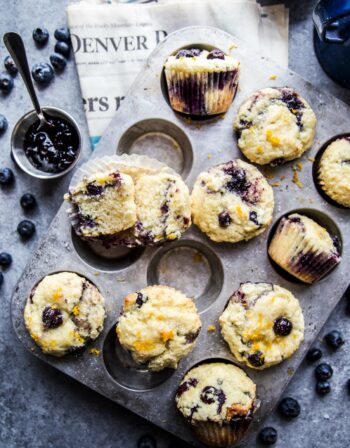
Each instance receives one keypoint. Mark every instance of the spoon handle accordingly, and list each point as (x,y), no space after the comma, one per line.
(15,46)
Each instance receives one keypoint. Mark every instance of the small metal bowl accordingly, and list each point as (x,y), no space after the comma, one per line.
(18,135)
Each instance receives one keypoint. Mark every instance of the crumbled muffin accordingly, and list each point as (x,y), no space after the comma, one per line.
(304,248)
(334,171)
(63,312)
(263,324)
(159,326)
(275,125)
(232,202)
(218,399)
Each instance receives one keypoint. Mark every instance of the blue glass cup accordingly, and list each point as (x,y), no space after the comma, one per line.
(332,38)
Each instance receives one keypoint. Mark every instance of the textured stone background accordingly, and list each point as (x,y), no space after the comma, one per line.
(40,407)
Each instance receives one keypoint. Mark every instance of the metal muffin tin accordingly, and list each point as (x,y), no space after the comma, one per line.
(205,270)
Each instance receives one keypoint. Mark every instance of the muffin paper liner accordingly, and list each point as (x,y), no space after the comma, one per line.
(293,252)
(201,93)
(134,165)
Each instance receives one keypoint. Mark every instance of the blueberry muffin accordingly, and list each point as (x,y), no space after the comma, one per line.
(232,202)
(334,171)
(201,82)
(218,399)
(131,207)
(158,326)
(275,125)
(63,312)
(104,204)
(304,248)
(263,324)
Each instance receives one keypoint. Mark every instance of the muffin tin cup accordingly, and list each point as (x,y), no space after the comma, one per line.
(215,269)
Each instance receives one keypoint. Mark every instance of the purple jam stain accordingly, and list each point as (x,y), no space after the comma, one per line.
(224,219)
(51,147)
(257,359)
(216,54)
(51,318)
(294,104)
(211,394)
(184,387)
(254,218)
(94,190)
(192,336)
(282,326)
(141,299)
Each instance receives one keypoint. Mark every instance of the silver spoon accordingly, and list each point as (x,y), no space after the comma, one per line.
(15,46)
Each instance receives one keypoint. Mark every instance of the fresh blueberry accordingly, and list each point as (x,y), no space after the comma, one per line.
(334,339)
(268,436)
(146,442)
(28,201)
(51,317)
(62,48)
(184,54)
(314,354)
(289,407)
(256,359)
(6,83)
(323,371)
(26,228)
(216,54)
(6,176)
(224,219)
(282,326)
(42,73)
(323,387)
(40,35)
(1,278)
(5,259)
(3,124)
(58,61)
(10,65)
(62,34)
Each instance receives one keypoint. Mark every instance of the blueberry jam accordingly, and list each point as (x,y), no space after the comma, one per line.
(53,147)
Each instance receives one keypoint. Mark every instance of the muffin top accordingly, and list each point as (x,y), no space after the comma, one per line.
(263,324)
(216,392)
(275,125)
(63,312)
(158,325)
(232,202)
(197,60)
(334,171)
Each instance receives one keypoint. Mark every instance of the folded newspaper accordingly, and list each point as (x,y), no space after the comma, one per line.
(112,39)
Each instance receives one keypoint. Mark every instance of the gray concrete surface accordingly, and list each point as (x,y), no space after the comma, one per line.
(40,407)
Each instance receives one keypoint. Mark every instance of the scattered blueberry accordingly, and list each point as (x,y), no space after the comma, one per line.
(26,228)
(40,35)
(94,190)
(314,354)
(334,339)
(5,259)
(184,54)
(323,387)
(141,299)
(224,219)
(6,83)
(146,442)
(3,124)
(51,317)
(6,176)
(28,201)
(62,34)
(256,359)
(42,73)
(58,61)
(254,217)
(282,326)
(10,65)
(62,48)
(184,387)
(1,278)
(289,407)
(211,394)
(216,54)
(268,436)
(323,371)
